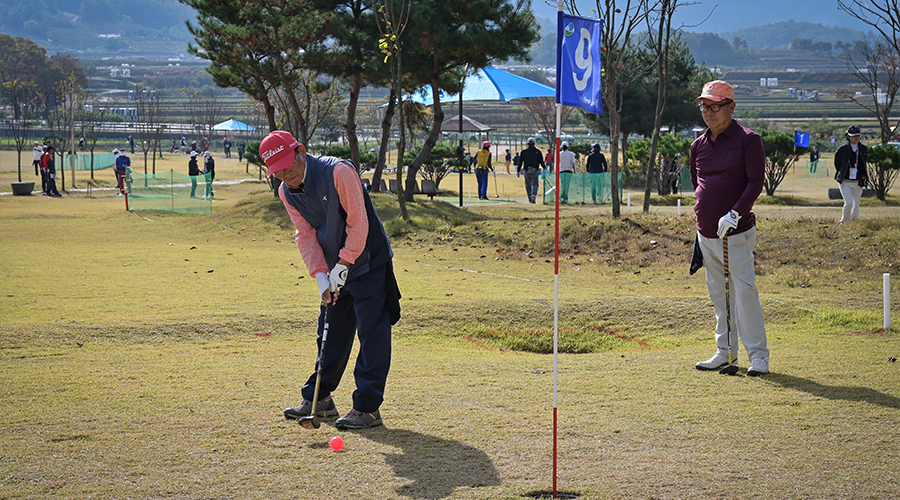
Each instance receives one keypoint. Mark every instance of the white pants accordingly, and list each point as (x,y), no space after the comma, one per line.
(746,311)
(851,191)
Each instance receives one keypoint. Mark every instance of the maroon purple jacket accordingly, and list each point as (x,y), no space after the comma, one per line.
(727,175)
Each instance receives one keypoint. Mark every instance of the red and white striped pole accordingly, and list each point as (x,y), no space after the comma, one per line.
(559,7)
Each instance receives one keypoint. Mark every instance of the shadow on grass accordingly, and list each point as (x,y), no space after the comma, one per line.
(435,466)
(835,392)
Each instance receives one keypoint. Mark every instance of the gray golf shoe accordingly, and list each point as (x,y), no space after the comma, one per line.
(359,420)
(324,408)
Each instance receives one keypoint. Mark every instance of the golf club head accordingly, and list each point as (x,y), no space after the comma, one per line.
(310,422)
(729,370)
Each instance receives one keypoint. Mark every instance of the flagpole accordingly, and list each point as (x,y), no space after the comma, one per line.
(559,7)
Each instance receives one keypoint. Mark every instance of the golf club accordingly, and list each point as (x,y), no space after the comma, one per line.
(496,194)
(731,368)
(312,421)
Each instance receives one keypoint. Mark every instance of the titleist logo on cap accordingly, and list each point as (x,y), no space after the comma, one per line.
(272,152)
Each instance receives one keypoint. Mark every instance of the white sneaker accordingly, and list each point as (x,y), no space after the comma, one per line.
(714,363)
(758,366)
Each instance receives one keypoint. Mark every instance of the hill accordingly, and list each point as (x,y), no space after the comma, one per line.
(780,35)
(99,28)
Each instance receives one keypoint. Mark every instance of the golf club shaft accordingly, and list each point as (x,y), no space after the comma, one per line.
(315,400)
(727,294)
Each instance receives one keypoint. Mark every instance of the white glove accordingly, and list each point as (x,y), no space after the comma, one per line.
(322,281)
(728,222)
(338,277)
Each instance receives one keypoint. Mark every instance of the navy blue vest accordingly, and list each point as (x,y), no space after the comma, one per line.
(318,202)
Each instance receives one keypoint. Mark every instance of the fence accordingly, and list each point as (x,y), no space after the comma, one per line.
(83,161)
(585,189)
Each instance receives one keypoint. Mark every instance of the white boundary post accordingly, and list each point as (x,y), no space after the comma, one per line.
(887,301)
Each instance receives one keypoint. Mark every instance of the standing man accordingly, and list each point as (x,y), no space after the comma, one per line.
(344,246)
(45,177)
(37,151)
(531,164)
(209,168)
(123,163)
(727,171)
(242,146)
(851,173)
(566,171)
(508,160)
(596,164)
(813,159)
(482,165)
(193,173)
(131,144)
(226,144)
(50,161)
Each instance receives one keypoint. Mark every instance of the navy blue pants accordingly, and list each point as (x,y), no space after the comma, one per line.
(361,310)
(481,175)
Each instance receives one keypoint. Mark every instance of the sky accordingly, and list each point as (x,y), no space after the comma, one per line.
(730,15)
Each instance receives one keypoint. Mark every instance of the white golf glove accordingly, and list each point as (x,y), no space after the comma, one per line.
(728,222)
(322,281)
(338,277)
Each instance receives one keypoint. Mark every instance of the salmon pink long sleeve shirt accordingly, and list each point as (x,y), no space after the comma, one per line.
(349,189)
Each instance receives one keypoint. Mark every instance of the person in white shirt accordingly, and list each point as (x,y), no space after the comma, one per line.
(566,170)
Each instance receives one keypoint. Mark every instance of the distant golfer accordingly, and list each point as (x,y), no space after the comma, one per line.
(123,163)
(193,173)
(482,165)
(851,173)
(344,246)
(531,164)
(727,171)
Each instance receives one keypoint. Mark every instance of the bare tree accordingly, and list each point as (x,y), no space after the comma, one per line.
(542,112)
(93,125)
(393,19)
(880,75)
(60,120)
(621,19)
(20,95)
(149,122)
(659,44)
(883,15)
(204,111)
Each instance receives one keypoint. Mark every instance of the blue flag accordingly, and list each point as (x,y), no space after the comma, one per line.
(801,139)
(578,69)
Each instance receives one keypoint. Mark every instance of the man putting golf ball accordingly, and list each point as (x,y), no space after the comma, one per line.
(727,172)
(345,248)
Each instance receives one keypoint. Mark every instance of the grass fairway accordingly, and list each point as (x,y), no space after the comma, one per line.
(149,355)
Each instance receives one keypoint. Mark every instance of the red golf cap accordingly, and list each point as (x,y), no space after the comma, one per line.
(716,91)
(277,150)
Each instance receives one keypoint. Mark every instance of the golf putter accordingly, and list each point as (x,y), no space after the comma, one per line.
(496,193)
(731,368)
(312,421)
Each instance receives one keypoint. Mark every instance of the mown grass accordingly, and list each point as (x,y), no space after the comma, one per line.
(149,355)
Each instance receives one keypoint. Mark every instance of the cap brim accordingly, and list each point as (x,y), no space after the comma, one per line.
(281,164)
(713,98)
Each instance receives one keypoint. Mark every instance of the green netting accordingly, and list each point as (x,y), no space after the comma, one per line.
(83,161)
(582,188)
(819,170)
(684,182)
(169,192)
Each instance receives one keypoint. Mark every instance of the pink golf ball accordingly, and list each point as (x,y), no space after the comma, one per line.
(337,444)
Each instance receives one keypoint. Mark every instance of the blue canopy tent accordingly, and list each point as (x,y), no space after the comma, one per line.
(490,84)
(235,125)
